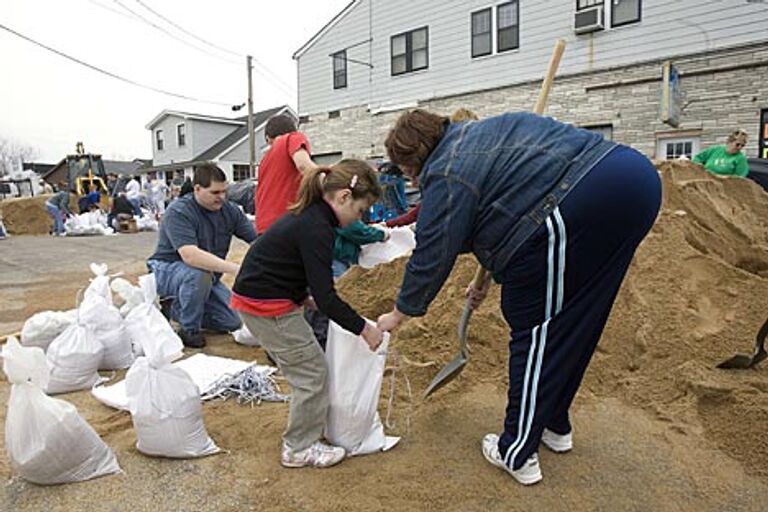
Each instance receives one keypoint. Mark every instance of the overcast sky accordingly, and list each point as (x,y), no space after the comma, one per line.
(50,103)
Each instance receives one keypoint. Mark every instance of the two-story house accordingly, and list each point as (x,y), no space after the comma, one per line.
(182,140)
(377,58)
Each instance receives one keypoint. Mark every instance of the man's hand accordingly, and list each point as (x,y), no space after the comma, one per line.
(391,320)
(309,303)
(372,336)
(477,295)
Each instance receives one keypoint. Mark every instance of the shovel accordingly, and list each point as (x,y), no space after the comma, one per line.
(741,361)
(457,364)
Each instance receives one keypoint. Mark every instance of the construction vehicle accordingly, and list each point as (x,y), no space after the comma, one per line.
(86,170)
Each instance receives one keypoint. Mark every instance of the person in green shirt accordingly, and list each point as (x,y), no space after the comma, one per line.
(726,160)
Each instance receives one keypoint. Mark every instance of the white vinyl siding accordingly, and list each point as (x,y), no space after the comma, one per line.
(666,30)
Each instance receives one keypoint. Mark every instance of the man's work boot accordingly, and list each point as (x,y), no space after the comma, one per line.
(192,339)
(165,307)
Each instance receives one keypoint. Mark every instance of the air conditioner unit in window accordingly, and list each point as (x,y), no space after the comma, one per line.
(588,20)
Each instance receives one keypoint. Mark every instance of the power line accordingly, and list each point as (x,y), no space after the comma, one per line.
(109,74)
(264,70)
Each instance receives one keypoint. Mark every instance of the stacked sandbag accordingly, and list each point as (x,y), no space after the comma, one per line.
(146,322)
(42,328)
(165,403)
(97,312)
(46,439)
(73,359)
(130,295)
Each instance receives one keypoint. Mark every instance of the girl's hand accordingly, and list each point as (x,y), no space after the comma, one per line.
(372,336)
(390,321)
(310,303)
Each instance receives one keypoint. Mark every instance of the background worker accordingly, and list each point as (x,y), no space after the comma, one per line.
(133,193)
(58,207)
(726,160)
(293,254)
(191,252)
(557,213)
(281,170)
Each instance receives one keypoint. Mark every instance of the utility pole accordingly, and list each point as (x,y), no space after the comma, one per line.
(251,140)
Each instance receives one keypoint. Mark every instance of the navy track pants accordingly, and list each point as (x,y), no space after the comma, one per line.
(558,291)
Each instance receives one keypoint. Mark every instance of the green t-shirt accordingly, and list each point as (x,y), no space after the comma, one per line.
(717,160)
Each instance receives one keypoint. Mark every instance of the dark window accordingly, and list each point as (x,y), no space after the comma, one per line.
(410,51)
(606,130)
(624,12)
(160,140)
(340,69)
(181,135)
(303,119)
(481,33)
(241,172)
(333,114)
(507,21)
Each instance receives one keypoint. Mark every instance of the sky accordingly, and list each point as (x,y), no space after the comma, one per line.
(50,103)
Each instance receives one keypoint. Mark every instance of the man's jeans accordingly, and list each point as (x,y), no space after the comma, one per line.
(55,212)
(201,301)
(136,207)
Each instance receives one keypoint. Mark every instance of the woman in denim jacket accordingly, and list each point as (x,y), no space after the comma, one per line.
(556,213)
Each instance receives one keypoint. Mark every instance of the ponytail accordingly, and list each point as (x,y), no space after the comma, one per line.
(355,175)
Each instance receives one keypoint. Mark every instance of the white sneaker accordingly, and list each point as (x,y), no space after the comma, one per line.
(528,474)
(319,455)
(558,443)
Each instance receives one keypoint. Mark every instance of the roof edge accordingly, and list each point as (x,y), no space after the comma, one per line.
(320,33)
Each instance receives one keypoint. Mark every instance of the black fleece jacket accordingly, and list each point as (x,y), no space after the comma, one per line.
(295,253)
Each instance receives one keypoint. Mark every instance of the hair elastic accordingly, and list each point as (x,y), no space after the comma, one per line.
(353,182)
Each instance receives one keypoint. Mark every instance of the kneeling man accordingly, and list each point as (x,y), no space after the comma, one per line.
(193,242)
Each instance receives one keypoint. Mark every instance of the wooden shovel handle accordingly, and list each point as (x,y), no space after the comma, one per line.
(541,105)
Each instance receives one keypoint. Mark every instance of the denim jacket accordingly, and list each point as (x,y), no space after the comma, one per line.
(486,187)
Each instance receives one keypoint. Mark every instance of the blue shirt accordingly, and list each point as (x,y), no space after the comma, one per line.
(187,223)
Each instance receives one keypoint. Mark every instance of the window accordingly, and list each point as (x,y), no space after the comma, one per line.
(678,147)
(606,130)
(159,139)
(624,12)
(181,135)
(584,4)
(503,21)
(409,51)
(481,33)
(508,33)
(334,114)
(340,69)
(241,172)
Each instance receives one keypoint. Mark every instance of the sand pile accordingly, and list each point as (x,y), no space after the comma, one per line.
(26,215)
(695,295)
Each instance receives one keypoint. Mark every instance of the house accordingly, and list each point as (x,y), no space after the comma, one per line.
(377,58)
(182,140)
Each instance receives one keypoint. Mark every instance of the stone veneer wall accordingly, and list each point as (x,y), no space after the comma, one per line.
(722,91)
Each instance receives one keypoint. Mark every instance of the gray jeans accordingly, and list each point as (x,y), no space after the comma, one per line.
(291,343)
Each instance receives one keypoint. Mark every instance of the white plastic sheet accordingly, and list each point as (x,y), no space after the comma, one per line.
(401,242)
(42,328)
(354,385)
(46,439)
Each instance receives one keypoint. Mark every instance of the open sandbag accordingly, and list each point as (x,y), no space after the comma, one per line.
(400,243)
(165,403)
(46,439)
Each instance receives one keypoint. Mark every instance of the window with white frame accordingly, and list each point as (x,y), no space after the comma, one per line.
(672,148)
(624,12)
(503,21)
(340,69)
(241,172)
(181,135)
(409,51)
(159,139)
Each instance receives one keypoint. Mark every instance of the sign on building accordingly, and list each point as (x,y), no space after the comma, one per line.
(671,100)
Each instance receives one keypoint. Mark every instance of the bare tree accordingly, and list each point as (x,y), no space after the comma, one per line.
(12,154)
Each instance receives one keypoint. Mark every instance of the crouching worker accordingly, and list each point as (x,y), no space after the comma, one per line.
(294,254)
(189,260)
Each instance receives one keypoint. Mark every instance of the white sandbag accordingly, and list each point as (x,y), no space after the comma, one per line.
(165,403)
(244,337)
(97,312)
(354,384)
(46,439)
(401,242)
(129,294)
(42,328)
(73,359)
(146,322)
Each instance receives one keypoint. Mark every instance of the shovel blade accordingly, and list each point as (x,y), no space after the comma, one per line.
(739,361)
(449,372)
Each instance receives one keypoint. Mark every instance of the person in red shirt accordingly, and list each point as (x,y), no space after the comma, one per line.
(281,169)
